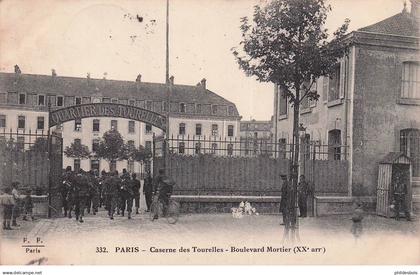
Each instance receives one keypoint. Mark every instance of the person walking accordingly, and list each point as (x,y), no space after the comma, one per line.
(148,191)
(28,206)
(284,199)
(135,187)
(112,184)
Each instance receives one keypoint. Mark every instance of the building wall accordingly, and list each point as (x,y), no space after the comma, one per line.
(378,115)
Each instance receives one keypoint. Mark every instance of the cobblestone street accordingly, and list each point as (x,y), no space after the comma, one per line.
(80,241)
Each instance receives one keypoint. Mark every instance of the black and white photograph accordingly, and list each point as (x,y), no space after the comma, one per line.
(212,132)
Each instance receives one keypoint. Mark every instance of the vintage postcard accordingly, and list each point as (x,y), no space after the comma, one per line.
(277,132)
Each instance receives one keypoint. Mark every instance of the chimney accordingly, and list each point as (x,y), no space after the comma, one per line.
(138,79)
(53,73)
(17,70)
(203,83)
(171,80)
(88,76)
(105,75)
(415,9)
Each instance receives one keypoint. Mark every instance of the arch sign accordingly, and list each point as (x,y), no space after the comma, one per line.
(106,110)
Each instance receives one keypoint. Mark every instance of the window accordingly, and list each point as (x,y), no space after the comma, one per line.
(78,125)
(182,107)
(86,100)
(60,101)
(95,145)
(181,148)
(148,128)
(20,143)
(230,130)
(334,84)
(282,148)
(182,128)
(40,123)
(76,165)
(3,97)
(77,100)
(77,141)
(95,125)
(198,129)
(282,103)
(198,108)
(2,121)
(213,148)
(131,126)
(113,165)
(410,86)
(132,102)
(214,130)
(149,105)
(334,144)
(410,145)
(148,146)
(198,148)
(106,100)
(214,109)
(114,100)
(22,99)
(230,149)
(114,124)
(21,122)
(94,165)
(231,111)
(131,144)
(41,100)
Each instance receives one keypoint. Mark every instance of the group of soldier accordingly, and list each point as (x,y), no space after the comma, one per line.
(88,191)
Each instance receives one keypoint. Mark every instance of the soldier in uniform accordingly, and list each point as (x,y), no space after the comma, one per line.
(112,187)
(163,190)
(148,190)
(93,200)
(135,187)
(303,193)
(82,194)
(101,188)
(65,187)
(400,198)
(127,195)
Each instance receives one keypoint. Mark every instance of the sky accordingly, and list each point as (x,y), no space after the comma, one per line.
(124,38)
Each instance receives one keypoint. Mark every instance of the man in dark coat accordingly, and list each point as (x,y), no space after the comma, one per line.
(64,188)
(303,192)
(127,195)
(285,193)
(148,191)
(400,198)
(135,187)
(93,199)
(163,189)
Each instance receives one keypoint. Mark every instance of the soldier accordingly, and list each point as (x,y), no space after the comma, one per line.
(101,188)
(284,199)
(148,191)
(127,195)
(135,186)
(112,186)
(64,189)
(93,200)
(82,194)
(400,198)
(163,190)
(303,192)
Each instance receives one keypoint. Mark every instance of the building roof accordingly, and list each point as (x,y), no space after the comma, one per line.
(402,24)
(394,157)
(74,86)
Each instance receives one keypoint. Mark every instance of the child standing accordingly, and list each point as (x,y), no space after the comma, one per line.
(357,218)
(28,205)
(7,202)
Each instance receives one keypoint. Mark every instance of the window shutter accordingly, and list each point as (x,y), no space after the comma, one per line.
(342,78)
(325,86)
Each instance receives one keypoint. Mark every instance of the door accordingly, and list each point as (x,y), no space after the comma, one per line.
(409,145)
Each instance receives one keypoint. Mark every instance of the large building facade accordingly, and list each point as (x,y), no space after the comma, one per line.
(193,111)
(371,104)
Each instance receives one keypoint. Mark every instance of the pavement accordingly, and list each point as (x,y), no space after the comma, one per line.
(67,241)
